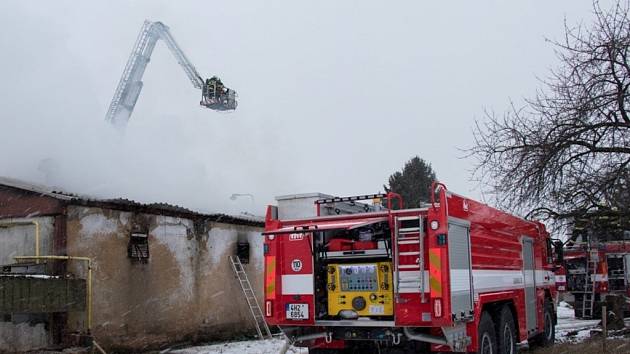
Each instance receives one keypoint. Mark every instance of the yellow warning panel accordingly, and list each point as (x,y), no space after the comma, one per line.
(365,288)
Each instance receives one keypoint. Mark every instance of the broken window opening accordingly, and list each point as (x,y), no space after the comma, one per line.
(138,247)
(242,251)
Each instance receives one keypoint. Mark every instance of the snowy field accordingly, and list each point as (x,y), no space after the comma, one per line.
(271,346)
(567,326)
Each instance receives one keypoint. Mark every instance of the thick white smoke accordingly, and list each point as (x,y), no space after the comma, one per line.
(329,102)
(164,159)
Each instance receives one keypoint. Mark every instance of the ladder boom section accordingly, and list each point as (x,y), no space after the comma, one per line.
(183,61)
(130,84)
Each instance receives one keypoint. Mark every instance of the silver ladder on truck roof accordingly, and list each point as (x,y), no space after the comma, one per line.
(259,319)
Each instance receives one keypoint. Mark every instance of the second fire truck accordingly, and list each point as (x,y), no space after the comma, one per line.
(597,263)
(455,275)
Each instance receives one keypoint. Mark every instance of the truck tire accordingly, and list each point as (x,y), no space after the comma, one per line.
(548,337)
(487,340)
(506,332)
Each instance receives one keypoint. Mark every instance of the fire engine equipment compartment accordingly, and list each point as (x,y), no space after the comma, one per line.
(353,272)
(576,273)
(618,265)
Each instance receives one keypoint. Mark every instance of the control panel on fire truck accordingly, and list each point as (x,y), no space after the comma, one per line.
(365,289)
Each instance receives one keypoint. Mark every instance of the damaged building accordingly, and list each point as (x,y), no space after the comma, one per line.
(134,276)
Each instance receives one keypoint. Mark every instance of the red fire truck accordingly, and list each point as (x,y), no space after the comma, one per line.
(596,271)
(456,275)
(597,263)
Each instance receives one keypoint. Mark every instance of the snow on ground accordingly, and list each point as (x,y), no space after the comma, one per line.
(270,346)
(565,311)
(567,323)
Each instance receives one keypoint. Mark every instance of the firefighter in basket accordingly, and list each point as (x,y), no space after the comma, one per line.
(213,90)
(216,95)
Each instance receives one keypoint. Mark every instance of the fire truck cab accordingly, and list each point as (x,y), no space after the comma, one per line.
(455,275)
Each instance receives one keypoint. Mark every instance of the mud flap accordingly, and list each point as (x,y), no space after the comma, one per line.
(456,337)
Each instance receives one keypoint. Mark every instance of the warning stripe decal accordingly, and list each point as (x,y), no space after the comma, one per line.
(270,277)
(435,272)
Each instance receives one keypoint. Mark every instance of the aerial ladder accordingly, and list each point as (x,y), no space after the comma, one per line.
(214,95)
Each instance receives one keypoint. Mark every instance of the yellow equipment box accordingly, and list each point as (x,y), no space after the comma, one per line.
(365,288)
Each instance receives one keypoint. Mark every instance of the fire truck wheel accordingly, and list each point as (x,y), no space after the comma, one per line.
(548,337)
(506,332)
(487,342)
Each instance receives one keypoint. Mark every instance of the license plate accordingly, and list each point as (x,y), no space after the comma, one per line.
(297,311)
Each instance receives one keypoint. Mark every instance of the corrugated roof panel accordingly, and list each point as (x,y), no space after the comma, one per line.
(128,204)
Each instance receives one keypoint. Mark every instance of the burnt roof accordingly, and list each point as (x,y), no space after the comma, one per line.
(128,204)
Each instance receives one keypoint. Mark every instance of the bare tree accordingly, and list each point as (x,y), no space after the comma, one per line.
(567,151)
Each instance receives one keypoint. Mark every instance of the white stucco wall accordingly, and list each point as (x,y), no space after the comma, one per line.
(187,289)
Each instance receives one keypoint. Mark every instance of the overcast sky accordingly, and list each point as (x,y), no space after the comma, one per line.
(334,95)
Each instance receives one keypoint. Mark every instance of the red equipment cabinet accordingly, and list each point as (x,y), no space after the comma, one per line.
(465,276)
